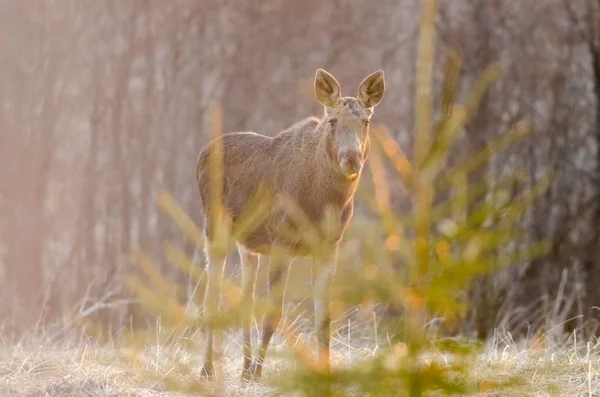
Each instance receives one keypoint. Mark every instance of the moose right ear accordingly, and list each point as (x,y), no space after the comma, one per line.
(327,89)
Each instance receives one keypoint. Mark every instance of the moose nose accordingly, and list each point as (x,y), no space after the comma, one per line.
(350,162)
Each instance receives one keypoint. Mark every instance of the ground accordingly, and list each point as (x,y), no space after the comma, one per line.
(36,367)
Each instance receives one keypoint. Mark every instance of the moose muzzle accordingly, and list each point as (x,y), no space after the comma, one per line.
(350,162)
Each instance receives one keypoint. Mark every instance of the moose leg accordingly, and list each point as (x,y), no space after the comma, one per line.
(322,275)
(277,283)
(249,270)
(192,285)
(212,302)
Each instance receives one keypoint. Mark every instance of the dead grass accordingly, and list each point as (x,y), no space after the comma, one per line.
(505,368)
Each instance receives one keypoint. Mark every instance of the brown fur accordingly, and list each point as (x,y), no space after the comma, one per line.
(316,163)
(295,163)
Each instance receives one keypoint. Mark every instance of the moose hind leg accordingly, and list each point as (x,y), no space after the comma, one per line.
(249,263)
(212,302)
(277,279)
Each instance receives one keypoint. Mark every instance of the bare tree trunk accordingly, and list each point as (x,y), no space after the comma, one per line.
(591,266)
(483,302)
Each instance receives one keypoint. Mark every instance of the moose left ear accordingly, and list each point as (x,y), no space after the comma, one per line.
(371,90)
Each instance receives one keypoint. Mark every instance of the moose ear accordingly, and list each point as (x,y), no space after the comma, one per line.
(371,90)
(327,89)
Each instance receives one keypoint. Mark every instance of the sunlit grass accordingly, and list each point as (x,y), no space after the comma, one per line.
(84,368)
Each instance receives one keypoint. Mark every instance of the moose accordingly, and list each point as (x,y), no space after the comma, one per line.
(315,164)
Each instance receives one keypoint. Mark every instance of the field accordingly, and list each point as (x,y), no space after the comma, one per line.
(36,367)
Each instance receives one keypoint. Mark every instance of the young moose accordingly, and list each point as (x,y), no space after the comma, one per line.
(315,163)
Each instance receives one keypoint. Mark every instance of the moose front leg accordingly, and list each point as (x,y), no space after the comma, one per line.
(322,276)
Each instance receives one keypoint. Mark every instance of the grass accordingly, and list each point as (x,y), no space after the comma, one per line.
(86,368)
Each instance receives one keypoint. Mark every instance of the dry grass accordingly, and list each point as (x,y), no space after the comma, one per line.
(539,368)
(85,368)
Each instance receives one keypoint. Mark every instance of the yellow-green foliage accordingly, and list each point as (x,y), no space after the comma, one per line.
(440,247)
